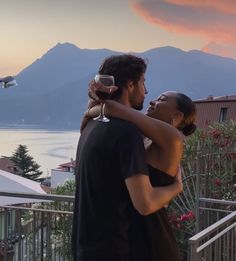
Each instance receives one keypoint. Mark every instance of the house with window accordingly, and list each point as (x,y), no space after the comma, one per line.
(8,165)
(64,172)
(215,109)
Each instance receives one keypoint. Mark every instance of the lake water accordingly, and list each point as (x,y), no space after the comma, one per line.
(48,148)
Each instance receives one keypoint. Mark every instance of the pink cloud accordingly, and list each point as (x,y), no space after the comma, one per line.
(221,50)
(213,20)
(228,6)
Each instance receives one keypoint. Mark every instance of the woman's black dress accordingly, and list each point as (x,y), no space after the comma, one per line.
(151,237)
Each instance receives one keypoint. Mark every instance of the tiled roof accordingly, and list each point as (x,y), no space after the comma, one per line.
(68,164)
(211,98)
(7,165)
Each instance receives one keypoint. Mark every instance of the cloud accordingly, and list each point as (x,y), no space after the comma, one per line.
(213,20)
(227,6)
(222,50)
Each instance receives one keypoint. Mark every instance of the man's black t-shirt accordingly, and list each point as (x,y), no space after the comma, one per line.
(107,154)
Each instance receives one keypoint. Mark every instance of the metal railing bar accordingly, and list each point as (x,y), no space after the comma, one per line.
(213,227)
(34,233)
(213,239)
(38,210)
(218,201)
(5,235)
(216,210)
(38,196)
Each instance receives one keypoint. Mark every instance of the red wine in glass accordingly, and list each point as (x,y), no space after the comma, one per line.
(102,95)
(106,81)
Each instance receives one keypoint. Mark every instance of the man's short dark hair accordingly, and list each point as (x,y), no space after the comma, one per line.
(124,68)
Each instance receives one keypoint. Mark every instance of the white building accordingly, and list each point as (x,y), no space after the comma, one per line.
(63,173)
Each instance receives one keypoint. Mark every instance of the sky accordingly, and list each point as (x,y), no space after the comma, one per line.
(29,28)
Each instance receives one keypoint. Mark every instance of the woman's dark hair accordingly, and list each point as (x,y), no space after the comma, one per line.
(188,108)
(124,68)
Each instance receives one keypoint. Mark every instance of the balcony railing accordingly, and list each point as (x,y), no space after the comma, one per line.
(39,231)
(217,242)
(42,230)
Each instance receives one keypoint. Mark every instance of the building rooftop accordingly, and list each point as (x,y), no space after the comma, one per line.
(8,165)
(211,98)
(66,165)
(14,183)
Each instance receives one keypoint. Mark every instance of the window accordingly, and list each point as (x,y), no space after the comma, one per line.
(223,114)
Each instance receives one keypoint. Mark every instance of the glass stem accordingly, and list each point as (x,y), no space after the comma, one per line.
(102,110)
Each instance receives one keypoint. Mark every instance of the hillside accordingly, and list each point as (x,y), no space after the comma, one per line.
(52,91)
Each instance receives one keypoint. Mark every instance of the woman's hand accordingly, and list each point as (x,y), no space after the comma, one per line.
(96,86)
(178,179)
(94,101)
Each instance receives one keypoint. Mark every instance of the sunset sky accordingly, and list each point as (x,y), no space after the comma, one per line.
(30,27)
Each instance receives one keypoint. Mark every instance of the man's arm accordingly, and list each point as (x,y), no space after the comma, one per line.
(147,199)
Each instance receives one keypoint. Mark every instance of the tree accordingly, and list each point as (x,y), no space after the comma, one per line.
(30,169)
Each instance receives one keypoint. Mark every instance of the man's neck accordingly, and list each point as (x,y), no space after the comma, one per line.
(123,100)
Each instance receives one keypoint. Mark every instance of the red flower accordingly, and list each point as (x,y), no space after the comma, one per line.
(178,225)
(217,182)
(215,134)
(191,215)
(188,216)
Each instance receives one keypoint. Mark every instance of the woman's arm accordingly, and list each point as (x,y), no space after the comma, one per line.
(159,132)
(88,113)
(166,137)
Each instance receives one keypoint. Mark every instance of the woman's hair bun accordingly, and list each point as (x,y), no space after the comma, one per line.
(189,129)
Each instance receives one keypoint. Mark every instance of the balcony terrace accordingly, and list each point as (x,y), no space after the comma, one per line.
(40,231)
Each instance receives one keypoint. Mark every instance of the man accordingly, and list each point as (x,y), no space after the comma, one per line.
(111,174)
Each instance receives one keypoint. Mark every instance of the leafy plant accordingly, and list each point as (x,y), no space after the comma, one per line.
(210,155)
(62,225)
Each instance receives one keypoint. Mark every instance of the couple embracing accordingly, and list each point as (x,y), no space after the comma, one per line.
(128,169)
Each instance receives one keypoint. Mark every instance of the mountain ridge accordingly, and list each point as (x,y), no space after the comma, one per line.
(52,91)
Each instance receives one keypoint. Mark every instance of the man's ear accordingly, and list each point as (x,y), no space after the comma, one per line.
(177,118)
(130,85)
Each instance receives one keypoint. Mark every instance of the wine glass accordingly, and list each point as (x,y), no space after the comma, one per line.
(106,81)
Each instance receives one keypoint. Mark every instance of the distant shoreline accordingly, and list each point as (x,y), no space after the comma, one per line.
(34,127)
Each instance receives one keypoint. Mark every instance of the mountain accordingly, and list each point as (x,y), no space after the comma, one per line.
(52,91)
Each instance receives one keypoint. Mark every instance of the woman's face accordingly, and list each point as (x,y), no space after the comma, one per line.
(163,108)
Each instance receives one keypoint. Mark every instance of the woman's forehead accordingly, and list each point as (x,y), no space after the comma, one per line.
(169,94)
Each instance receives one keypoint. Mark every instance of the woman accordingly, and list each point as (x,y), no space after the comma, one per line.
(153,232)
